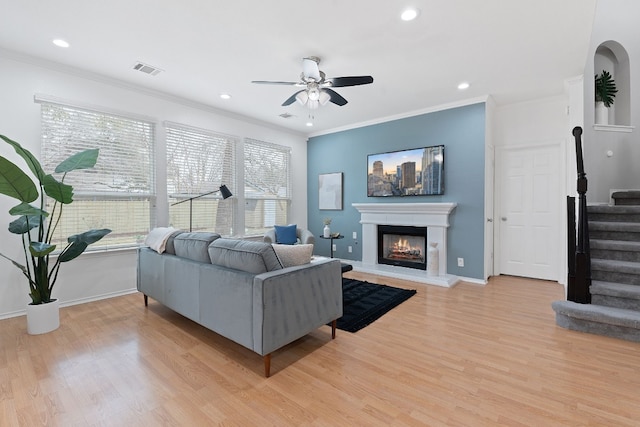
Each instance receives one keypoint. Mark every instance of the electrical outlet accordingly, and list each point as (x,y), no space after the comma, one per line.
(335,247)
(460,262)
(355,235)
(350,249)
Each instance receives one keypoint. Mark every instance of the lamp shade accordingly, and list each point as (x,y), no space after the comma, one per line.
(225,192)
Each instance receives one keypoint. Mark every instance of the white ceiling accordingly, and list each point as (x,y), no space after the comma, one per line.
(514,50)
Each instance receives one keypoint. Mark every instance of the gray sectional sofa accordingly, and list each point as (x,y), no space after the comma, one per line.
(240,290)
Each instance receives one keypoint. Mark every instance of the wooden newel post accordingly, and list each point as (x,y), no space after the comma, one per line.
(580,292)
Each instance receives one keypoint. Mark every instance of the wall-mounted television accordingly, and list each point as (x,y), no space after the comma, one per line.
(412,172)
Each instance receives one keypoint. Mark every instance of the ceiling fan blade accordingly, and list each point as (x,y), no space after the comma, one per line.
(266,82)
(291,99)
(310,69)
(350,81)
(336,98)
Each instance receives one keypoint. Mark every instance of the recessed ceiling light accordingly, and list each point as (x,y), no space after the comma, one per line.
(409,15)
(309,124)
(463,86)
(61,43)
(225,96)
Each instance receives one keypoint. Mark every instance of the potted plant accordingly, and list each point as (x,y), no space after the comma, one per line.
(605,92)
(37,227)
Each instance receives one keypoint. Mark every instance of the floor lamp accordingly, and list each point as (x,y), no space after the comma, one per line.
(224,191)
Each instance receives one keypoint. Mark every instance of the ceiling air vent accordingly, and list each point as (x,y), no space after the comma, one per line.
(146,68)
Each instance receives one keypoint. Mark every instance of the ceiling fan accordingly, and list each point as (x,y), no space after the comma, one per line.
(317,88)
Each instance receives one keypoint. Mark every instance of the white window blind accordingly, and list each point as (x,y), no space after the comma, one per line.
(267,185)
(200,161)
(118,193)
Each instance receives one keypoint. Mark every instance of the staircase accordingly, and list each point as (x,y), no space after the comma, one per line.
(614,233)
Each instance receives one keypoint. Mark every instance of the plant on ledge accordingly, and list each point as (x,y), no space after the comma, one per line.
(36,225)
(605,89)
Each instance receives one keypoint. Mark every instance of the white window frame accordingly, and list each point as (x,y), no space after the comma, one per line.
(199,161)
(266,190)
(103,183)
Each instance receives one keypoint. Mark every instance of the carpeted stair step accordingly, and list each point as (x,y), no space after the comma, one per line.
(626,197)
(605,270)
(615,295)
(615,250)
(602,230)
(597,319)
(607,213)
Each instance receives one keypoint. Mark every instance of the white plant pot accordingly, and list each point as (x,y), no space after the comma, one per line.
(602,114)
(326,233)
(43,318)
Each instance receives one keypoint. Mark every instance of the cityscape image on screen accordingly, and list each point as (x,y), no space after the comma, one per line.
(414,172)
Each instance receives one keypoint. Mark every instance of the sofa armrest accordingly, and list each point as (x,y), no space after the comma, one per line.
(290,303)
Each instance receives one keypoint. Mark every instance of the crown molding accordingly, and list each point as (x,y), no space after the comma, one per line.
(433,109)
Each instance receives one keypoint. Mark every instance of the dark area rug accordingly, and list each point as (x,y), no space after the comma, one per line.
(364,302)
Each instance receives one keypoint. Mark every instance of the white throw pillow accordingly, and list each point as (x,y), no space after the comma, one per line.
(157,238)
(291,255)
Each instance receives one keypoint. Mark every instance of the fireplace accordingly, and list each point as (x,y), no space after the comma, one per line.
(433,216)
(402,246)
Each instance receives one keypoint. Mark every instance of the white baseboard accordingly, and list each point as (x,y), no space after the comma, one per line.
(74,302)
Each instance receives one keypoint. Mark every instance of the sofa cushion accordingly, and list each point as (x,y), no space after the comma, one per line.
(245,255)
(290,255)
(194,245)
(170,247)
(286,234)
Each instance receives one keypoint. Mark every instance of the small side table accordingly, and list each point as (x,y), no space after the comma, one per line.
(332,239)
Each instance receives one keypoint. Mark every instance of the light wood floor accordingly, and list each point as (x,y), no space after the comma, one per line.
(467,356)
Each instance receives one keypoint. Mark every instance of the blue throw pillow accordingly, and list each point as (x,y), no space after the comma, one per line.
(286,234)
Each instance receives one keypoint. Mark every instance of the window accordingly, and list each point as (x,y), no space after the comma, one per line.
(267,185)
(198,162)
(119,192)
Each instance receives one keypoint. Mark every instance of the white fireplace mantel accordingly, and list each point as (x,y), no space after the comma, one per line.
(434,216)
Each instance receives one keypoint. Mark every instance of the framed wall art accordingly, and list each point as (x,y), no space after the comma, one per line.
(330,191)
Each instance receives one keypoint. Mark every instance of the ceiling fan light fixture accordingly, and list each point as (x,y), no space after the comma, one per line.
(324,97)
(302,97)
(314,94)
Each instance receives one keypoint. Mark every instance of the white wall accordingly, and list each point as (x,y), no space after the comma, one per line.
(615,20)
(97,275)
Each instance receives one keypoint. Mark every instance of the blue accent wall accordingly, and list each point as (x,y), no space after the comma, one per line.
(461,130)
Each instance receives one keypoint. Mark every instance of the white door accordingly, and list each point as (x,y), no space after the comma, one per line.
(529,213)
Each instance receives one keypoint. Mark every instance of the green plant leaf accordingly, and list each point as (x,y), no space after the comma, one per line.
(82,160)
(41,249)
(29,158)
(15,183)
(21,225)
(57,190)
(90,236)
(80,242)
(20,266)
(73,251)
(605,88)
(27,209)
